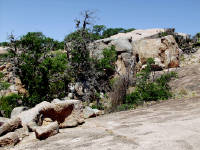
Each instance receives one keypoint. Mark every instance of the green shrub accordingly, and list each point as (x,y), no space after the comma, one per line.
(48,79)
(3,85)
(7,55)
(112,31)
(4,44)
(100,106)
(108,60)
(1,75)
(150,90)
(163,34)
(8,103)
(45,73)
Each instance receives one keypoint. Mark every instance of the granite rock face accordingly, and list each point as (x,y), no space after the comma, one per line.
(136,46)
(165,51)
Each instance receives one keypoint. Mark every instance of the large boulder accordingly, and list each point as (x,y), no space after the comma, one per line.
(9,139)
(3,120)
(44,119)
(44,132)
(10,125)
(17,110)
(164,50)
(13,138)
(122,41)
(67,113)
(75,118)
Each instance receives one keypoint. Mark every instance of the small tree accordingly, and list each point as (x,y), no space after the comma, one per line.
(44,73)
(98,31)
(93,74)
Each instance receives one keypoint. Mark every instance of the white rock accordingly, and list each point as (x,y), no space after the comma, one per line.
(88,112)
(17,110)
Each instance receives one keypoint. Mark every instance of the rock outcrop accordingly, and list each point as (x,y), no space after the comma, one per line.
(165,51)
(44,119)
(10,126)
(136,46)
(17,110)
(12,132)
(3,120)
(88,112)
(15,83)
(187,83)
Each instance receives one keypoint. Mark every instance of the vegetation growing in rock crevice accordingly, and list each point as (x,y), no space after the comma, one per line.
(3,85)
(148,89)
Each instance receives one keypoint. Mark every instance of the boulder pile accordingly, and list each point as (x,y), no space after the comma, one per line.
(45,119)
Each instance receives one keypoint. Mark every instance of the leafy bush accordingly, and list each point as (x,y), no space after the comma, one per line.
(10,54)
(163,34)
(45,73)
(149,90)
(112,31)
(109,58)
(4,44)
(3,85)
(47,80)
(98,32)
(8,103)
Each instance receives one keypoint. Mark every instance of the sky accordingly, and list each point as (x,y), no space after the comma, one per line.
(55,18)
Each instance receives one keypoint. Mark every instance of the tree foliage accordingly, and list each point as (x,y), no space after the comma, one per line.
(93,74)
(43,72)
(112,31)
(7,103)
